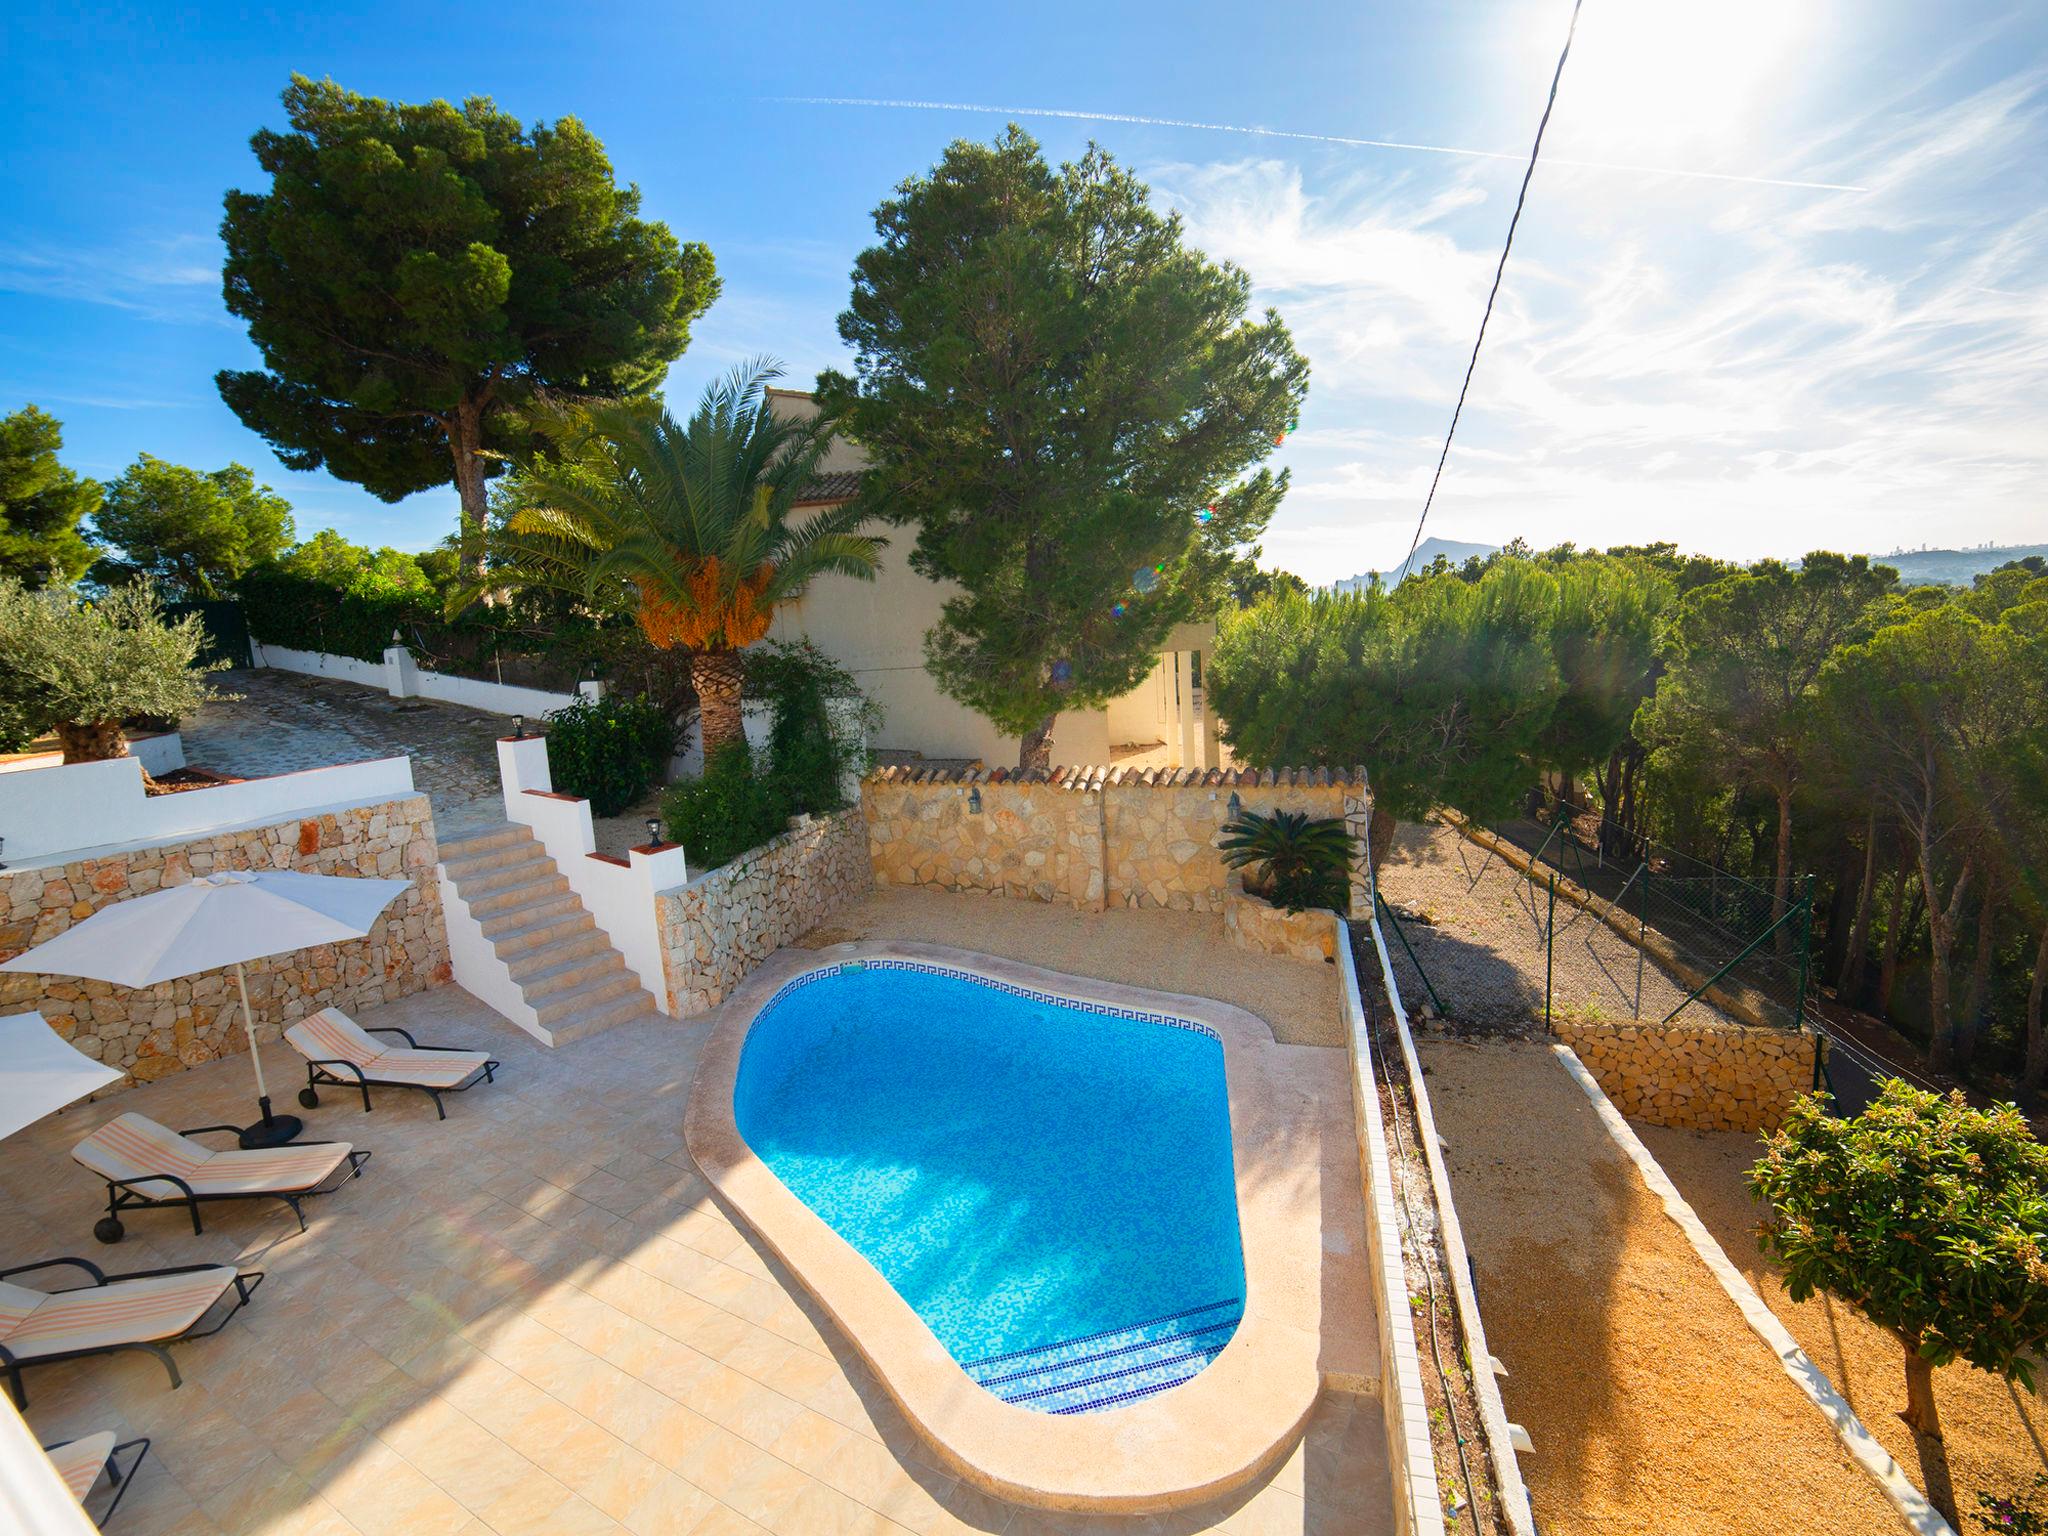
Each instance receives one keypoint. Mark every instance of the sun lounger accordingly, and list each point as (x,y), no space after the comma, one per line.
(80,1463)
(148,1165)
(146,1310)
(340,1051)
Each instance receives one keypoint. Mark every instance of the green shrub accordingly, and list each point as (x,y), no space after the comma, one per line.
(731,809)
(609,751)
(812,746)
(1300,862)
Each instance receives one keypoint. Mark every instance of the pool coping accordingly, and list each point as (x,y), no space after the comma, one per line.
(1196,1441)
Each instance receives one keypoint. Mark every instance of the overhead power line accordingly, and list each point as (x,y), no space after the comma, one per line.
(1535,151)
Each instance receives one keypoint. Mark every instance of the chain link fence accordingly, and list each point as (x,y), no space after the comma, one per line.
(1527,923)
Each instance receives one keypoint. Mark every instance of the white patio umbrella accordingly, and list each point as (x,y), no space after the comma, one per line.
(210,922)
(41,1071)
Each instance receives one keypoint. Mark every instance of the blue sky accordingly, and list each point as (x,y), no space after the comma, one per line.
(1683,350)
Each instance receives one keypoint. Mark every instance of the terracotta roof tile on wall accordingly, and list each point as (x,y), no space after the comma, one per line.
(1096,776)
(838,485)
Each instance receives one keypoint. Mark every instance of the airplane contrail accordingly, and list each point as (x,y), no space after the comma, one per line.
(1518,156)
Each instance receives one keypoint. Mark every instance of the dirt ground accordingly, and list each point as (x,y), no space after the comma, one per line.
(1651,1404)
(1994,1431)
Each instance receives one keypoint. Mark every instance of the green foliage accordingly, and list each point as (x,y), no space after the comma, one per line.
(1928,1215)
(304,613)
(65,661)
(609,751)
(1247,583)
(381,575)
(818,726)
(732,808)
(41,503)
(2024,1513)
(1442,688)
(196,532)
(1299,861)
(1604,635)
(1065,401)
(416,274)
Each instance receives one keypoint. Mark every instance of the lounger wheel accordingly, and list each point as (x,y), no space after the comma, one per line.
(309,1098)
(108,1229)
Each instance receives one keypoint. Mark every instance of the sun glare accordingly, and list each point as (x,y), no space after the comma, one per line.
(1662,77)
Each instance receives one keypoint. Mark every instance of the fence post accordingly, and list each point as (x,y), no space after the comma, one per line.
(1805,956)
(1549,951)
(1642,936)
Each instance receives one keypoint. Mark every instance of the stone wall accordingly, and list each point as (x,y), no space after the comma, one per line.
(1265,929)
(1093,837)
(1703,1077)
(725,922)
(154,1031)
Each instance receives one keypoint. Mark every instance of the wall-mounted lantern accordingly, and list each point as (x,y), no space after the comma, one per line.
(974,801)
(1236,805)
(519,727)
(653,830)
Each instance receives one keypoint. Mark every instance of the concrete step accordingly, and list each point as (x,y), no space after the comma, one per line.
(570,973)
(634,1005)
(531,864)
(464,845)
(508,898)
(532,928)
(577,999)
(574,942)
(464,866)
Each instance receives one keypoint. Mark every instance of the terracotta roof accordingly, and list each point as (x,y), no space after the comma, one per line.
(1095,777)
(839,485)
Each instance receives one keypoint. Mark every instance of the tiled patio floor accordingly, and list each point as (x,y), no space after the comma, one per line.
(530,1318)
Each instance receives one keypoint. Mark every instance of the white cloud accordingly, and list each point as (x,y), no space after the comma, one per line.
(176,279)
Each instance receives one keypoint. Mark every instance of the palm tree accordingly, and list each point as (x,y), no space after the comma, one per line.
(1302,861)
(691,526)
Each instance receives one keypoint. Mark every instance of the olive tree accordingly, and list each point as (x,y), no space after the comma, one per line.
(1928,1216)
(82,667)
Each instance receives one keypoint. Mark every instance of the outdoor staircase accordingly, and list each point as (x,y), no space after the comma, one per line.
(1113,1367)
(553,971)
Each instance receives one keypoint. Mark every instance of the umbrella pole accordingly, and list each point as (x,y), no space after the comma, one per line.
(271,1130)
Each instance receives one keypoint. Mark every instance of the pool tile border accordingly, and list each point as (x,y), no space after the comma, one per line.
(1200,1439)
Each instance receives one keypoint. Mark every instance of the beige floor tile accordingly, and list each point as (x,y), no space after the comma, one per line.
(671,1507)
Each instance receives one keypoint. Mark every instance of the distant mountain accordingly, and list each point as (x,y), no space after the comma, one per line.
(1454,550)
(1952,567)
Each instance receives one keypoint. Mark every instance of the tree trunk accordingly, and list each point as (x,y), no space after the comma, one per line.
(1888,954)
(92,741)
(1941,939)
(2036,1067)
(465,431)
(1850,982)
(1972,1021)
(1924,1419)
(717,676)
(1379,832)
(1034,747)
(1781,887)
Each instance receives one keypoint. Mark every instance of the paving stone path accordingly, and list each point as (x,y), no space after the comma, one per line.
(1483,944)
(285,723)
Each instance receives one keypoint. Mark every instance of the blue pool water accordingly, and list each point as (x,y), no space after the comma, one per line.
(1049,1186)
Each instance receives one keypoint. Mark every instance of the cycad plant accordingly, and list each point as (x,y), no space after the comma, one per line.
(1302,861)
(691,525)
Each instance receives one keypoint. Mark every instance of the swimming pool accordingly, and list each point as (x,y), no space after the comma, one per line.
(1047,1182)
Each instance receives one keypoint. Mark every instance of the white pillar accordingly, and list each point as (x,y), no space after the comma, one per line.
(1190,739)
(522,765)
(401,672)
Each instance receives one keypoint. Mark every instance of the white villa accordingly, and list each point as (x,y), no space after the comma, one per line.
(876,631)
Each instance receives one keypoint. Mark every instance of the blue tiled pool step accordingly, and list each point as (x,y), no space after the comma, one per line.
(1120,1365)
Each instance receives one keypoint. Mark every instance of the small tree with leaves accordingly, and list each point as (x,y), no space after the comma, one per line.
(198,532)
(81,668)
(41,503)
(1930,1217)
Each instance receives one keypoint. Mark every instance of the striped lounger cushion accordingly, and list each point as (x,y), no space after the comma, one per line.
(133,1146)
(37,1323)
(331,1035)
(79,1462)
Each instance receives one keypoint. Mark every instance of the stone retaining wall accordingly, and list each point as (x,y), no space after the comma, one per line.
(719,926)
(1265,929)
(1702,1077)
(1091,836)
(154,1031)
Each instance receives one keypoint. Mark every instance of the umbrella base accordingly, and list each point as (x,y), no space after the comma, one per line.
(272,1130)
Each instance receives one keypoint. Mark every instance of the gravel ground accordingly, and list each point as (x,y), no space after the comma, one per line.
(1652,1405)
(1994,1430)
(1483,944)
(1142,947)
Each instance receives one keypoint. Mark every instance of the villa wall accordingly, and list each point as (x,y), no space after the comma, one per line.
(1702,1077)
(154,1031)
(1090,836)
(726,921)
